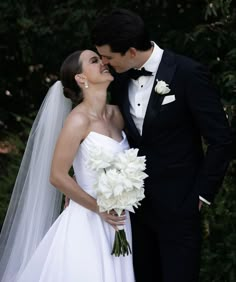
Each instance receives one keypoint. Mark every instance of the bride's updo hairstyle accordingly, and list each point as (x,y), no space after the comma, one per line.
(70,67)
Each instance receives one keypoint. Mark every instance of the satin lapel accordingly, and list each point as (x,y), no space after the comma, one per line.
(165,72)
(130,125)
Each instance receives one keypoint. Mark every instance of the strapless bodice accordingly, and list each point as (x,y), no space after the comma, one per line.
(85,176)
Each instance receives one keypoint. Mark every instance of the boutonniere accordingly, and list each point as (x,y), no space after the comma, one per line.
(162,87)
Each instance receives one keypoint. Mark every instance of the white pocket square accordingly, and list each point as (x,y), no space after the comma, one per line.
(168,99)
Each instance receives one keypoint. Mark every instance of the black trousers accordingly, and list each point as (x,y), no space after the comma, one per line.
(166,250)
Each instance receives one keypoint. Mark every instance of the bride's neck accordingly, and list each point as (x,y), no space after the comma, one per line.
(96,105)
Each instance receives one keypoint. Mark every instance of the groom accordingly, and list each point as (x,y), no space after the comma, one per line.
(170,106)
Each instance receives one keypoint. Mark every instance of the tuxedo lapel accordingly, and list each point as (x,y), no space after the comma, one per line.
(125,106)
(165,72)
(129,120)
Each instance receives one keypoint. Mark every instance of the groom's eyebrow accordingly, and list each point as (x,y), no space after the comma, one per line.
(104,56)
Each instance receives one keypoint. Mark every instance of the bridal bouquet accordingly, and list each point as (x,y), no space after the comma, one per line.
(119,186)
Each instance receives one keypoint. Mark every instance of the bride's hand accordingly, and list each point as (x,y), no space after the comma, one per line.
(113,219)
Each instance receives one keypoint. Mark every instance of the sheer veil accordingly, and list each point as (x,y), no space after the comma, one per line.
(35,203)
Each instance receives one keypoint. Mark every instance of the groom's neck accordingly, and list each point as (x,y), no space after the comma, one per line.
(142,57)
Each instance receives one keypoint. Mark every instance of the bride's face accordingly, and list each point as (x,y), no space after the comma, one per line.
(93,68)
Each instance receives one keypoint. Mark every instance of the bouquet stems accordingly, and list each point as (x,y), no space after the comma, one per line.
(121,245)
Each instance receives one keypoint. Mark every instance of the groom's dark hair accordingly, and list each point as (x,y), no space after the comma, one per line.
(121,29)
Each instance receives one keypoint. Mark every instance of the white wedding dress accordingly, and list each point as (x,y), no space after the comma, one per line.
(77,248)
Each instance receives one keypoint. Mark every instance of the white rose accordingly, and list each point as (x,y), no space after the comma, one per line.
(162,87)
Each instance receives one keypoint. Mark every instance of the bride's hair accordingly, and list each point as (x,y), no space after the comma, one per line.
(69,68)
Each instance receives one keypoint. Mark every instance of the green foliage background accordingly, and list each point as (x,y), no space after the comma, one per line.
(36,36)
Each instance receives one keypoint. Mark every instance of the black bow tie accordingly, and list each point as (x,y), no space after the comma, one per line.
(135,74)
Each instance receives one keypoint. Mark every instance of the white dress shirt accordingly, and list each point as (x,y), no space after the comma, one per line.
(140,89)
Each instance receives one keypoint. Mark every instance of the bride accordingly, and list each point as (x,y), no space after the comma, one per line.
(77,247)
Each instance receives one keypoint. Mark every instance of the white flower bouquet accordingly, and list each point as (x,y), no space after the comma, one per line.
(119,186)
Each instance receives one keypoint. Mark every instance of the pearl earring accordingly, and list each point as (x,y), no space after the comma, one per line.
(86,84)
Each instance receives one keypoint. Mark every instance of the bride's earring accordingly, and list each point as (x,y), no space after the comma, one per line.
(86,84)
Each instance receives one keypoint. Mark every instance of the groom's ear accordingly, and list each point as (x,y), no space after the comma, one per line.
(132,51)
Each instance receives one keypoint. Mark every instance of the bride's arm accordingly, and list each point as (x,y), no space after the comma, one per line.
(72,134)
(75,129)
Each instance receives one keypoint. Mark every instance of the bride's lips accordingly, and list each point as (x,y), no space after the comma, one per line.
(105,70)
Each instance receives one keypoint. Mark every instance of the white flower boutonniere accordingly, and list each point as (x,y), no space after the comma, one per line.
(162,87)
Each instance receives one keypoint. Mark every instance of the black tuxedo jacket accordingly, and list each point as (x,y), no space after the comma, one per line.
(179,167)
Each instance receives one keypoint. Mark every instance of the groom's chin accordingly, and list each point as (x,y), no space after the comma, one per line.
(113,72)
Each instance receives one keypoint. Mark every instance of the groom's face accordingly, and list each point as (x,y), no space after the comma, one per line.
(121,63)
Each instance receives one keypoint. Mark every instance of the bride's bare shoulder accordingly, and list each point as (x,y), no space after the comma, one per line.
(77,120)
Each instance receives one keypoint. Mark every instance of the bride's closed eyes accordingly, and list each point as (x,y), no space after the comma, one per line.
(94,60)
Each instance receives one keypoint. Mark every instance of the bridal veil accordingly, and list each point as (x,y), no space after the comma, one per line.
(35,203)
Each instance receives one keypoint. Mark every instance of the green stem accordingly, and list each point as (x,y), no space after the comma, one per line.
(121,245)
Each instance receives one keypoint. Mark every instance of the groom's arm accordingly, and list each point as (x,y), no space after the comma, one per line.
(209,116)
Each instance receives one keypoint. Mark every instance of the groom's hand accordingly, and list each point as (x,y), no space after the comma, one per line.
(67,201)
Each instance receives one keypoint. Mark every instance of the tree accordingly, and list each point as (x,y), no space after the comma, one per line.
(37,36)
